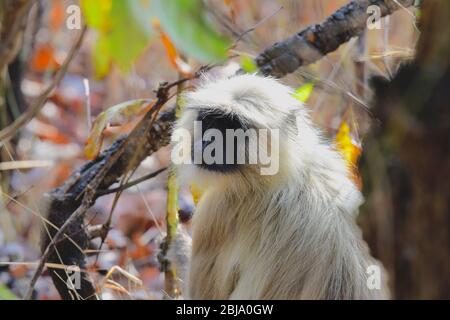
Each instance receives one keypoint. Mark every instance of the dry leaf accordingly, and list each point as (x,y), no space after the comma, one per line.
(117,115)
(175,60)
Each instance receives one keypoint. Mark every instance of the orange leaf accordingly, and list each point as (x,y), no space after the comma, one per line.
(57,14)
(175,60)
(44,59)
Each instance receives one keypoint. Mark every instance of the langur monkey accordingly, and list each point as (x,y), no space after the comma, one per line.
(284,235)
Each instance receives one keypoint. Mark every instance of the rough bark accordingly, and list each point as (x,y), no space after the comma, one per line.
(407,167)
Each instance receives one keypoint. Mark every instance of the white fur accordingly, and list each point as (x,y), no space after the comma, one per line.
(287,236)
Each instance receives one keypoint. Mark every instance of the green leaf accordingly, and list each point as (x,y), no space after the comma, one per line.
(97,13)
(6,294)
(304,92)
(186,22)
(248,64)
(129,36)
(418,13)
(102,58)
(124,31)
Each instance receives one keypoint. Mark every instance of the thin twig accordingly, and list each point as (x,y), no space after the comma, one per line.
(256,25)
(131,184)
(170,285)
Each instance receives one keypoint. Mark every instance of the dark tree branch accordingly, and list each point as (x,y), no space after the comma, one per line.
(316,41)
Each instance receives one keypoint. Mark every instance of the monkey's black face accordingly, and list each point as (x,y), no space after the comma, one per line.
(218,150)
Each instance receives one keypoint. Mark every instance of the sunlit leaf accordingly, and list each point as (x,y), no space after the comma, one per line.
(102,58)
(350,150)
(196,193)
(304,92)
(248,64)
(187,24)
(129,36)
(124,31)
(116,115)
(97,14)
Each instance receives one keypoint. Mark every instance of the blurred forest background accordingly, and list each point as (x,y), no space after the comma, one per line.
(127,51)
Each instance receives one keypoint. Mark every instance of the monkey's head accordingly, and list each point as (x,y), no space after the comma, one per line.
(246,126)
